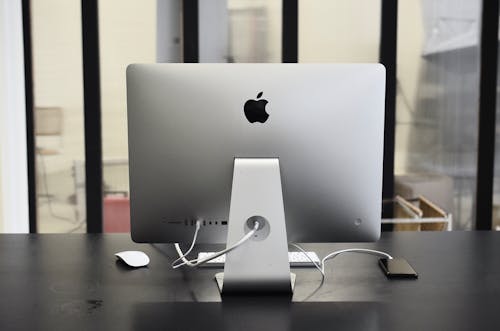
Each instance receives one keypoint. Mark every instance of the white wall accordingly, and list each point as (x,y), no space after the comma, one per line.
(410,45)
(13,159)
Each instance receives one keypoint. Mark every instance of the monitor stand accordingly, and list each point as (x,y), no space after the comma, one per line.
(260,264)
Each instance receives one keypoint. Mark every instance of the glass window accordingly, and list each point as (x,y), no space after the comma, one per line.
(58,100)
(437,103)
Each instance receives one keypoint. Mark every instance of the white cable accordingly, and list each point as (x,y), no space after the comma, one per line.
(178,249)
(307,255)
(321,266)
(353,250)
(197,262)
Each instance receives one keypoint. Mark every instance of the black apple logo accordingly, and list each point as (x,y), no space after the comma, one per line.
(255,110)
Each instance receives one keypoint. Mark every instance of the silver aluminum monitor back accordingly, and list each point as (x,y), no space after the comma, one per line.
(186,125)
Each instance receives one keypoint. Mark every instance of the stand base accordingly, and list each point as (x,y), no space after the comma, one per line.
(261,263)
(219,278)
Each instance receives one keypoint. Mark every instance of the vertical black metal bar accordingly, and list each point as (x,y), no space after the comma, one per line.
(30,118)
(290,31)
(388,51)
(92,115)
(190,31)
(487,113)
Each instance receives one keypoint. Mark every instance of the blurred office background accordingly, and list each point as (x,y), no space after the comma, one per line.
(437,86)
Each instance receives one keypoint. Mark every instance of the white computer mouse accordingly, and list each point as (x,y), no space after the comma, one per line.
(134,259)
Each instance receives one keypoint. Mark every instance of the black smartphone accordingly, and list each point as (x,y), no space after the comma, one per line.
(397,268)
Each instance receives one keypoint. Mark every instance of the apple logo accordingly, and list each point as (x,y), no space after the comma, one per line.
(255,110)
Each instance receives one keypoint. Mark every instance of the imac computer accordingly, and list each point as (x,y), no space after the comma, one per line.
(285,152)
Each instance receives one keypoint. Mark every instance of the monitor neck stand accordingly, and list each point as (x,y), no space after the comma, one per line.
(260,264)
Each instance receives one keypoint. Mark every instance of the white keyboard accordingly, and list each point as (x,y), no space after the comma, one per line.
(296,259)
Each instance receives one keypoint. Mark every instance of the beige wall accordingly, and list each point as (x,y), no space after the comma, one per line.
(57,71)
(127,35)
(339,31)
(410,45)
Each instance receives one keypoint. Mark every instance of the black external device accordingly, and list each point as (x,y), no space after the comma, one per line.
(397,268)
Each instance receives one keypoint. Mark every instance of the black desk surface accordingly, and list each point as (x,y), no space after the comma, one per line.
(73,282)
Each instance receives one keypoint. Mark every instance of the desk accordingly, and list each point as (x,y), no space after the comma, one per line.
(73,282)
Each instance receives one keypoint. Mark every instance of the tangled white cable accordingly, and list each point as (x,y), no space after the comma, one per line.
(196,262)
(183,255)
